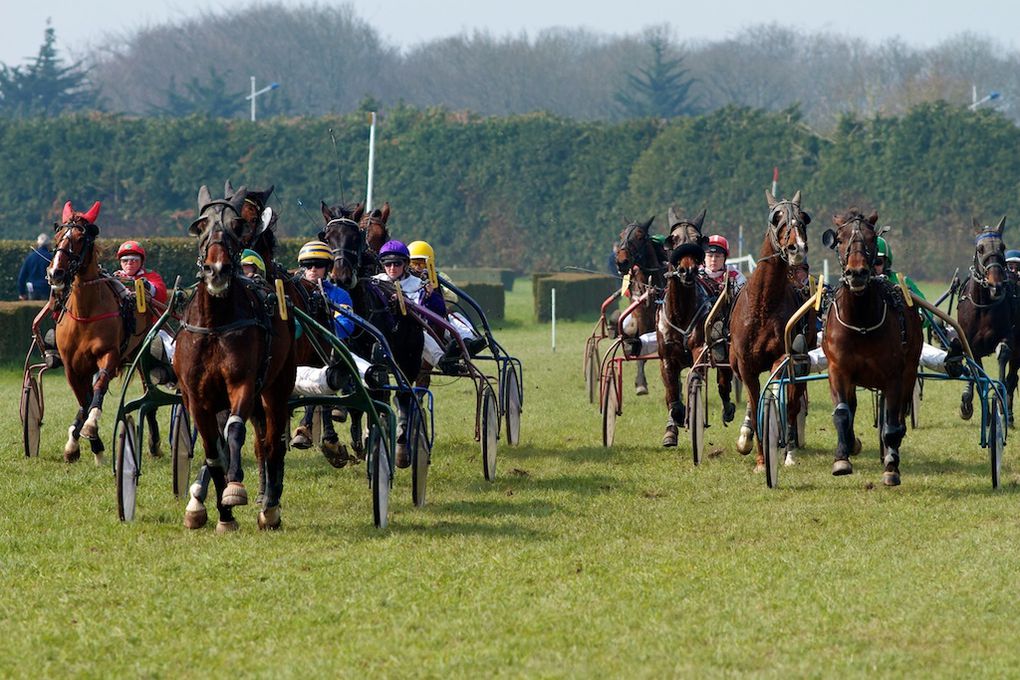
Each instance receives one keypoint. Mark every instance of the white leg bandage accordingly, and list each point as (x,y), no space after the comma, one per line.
(649,343)
(933,358)
(311,382)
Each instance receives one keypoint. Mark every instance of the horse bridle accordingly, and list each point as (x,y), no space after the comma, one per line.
(205,240)
(339,253)
(75,260)
(791,220)
(636,257)
(856,238)
(979,270)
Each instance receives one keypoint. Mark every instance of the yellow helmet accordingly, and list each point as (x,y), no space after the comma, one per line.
(314,250)
(254,259)
(420,250)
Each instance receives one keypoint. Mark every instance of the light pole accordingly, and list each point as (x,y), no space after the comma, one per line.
(267,88)
(991,96)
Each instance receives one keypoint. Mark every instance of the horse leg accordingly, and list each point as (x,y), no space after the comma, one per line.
(83,393)
(967,399)
(1011,383)
(234,433)
(892,435)
(670,372)
(272,450)
(794,392)
(195,514)
(334,452)
(749,427)
(724,380)
(154,443)
(640,382)
(302,438)
(357,434)
(100,383)
(403,452)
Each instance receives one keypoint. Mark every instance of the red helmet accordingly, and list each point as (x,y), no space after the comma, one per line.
(131,248)
(716,241)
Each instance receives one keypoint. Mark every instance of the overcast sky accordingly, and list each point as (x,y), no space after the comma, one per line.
(406,22)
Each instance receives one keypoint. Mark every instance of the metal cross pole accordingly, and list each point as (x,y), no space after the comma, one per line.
(254,94)
(371,161)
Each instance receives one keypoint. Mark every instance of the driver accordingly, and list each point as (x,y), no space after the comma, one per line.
(131,255)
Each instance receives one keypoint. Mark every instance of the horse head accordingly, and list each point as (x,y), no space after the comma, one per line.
(219,228)
(683,230)
(374,224)
(989,268)
(633,249)
(855,241)
(258,218)
(685,263)
(346,240)
(787,228)
(75,239)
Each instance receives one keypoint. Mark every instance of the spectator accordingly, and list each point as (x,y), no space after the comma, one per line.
(32,283)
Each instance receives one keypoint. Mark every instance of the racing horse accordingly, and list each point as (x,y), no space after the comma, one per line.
(872,339)
(373,223)
(638,256)
(986,314)
(760,312)
(234,362)
(97,326)
(353,266)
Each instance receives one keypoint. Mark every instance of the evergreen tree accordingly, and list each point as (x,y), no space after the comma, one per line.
(45,87)
(205,99)
(660,89)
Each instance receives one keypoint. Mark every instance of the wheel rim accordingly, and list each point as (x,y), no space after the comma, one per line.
(610,405)
(996,434)
(380,483)
(420,471)
(696,416)
(770,442)
(490,425)
(31,409)
(591,375)
(127,469)
(181,448)
(513,408)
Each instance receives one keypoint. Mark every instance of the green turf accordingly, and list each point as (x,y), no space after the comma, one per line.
(577,561)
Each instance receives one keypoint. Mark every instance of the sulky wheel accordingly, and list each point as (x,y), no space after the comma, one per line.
(696,416)
(126,468)
(512,404)
(610,409)
(420,458)
(380,480)
(591,370)
(996,437)
(31,417)
(490,432)
(182,449)
(770,440)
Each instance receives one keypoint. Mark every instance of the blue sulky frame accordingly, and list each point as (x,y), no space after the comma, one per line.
(772,402)
(127,458)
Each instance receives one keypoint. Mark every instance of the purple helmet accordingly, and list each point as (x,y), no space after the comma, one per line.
(394,251)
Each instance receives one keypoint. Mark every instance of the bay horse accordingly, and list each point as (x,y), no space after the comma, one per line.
(638,257)
(760,312)
(234,362)
(354,264)
(97,326)
(373,223)
(986,313)
(872,339)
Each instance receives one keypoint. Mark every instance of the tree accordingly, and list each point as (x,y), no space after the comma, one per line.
(205,99)
(661,89)
(45,87)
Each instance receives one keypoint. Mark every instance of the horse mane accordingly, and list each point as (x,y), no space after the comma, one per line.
(849,215)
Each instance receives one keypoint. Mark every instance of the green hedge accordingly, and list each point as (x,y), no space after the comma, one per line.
(491,297)
(463,275)
(577,295)
(16,329)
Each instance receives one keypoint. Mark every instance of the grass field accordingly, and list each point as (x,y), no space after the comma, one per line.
(577,561)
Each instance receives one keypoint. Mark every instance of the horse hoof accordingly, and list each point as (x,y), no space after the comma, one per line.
(302,438)
(335,453)
(72,456)
(744,442)
(235,494)
(966,410)
(339,415)
(156,452)
(195,519)
(728,411)
(857,446)
(641,390)
(98,458)
(891,478)
(270,518)
(842,466)
(789,459)
(759,468)
(226,527)
(669,440)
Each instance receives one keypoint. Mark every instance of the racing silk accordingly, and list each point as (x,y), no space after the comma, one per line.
(339,299)
(414,289)
(717,278)
(894,278)
(154,282)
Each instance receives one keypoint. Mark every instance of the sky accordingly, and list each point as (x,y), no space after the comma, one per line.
(80,23)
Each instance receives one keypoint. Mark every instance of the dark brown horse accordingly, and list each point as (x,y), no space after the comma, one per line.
(234,362)
(760,312)
(986,313)
(374,225)
(638,257)
(97,326)
(872,339)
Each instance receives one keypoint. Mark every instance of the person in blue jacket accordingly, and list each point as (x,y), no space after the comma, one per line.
(32,283)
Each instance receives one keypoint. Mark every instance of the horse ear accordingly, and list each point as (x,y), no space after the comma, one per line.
(204,197)
(648,224)
(977,227)
(67,214)
(883,230)
(385,212)
(321,235)
(771,199)
(829,238)
(93,212)
(326,214)
(237,200)
(700,219)
(228,190)
(703,241)
(91,229)
(1001,225)
(671,216)
(796,198)
(268,193)
(359,212)
(873,218)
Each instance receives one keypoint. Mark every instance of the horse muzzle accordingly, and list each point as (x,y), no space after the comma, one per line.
(217,278)
(795,255)
(55,277)
(857,279)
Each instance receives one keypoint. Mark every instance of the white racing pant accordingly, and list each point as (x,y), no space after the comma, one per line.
(311,382)
(649,343)
(431,353)
(464,328)
(932,358)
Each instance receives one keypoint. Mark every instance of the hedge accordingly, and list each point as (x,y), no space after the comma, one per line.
(16,329)
(462,275)
(490,297)
(577,295)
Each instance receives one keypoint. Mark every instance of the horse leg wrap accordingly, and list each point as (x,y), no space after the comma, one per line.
(677,413)
(233,432)
(100,374)
(200,488)
(843,420)
(893,437)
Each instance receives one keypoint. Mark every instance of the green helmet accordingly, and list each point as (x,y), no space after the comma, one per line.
(253,258)
(885,251)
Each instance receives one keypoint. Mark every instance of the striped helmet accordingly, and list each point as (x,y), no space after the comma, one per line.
(254,259)
(313,251)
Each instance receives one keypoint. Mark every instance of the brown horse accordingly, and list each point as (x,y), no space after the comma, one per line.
(97,326)
(986,313)
(638,257)
(373,223)
(234,362)
(872,339)
(760,312)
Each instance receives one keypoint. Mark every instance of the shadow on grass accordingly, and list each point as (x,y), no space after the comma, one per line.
(616,455)
(494,508)
(418,525)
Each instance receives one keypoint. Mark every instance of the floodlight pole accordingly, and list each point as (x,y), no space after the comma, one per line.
(254,94)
